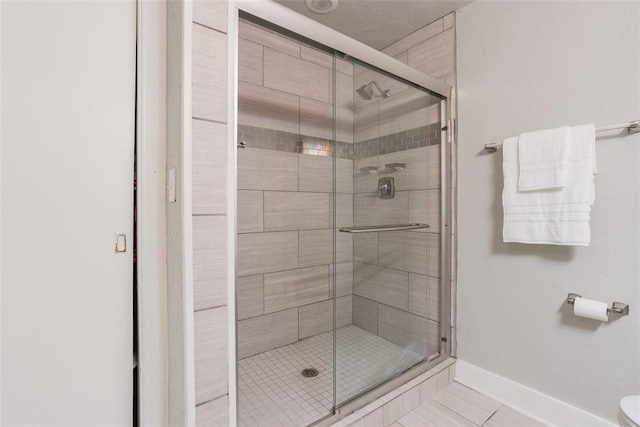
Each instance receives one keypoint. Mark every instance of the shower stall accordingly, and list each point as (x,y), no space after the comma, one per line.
(343,265)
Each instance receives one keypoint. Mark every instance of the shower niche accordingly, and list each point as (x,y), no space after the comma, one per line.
(339,272)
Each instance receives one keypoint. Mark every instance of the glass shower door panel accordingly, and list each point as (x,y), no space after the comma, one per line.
(394,234)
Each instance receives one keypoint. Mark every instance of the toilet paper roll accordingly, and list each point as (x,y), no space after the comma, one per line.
(591,309)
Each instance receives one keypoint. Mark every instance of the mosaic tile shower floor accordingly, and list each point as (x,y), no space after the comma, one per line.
(273,391)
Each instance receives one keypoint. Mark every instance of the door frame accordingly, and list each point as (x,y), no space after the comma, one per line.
(151,147)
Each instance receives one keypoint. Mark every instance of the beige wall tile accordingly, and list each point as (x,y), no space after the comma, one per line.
(344,124)
(405,251)
(267,170)
(344,91)
(449,20)
(424,296)
(344,278)
(211,13)
(316,247)
(344,247)
(415,174)
(209,74)
(344,311)
(295,211)
(344,209)
(418,205)
(365,314)
(316,56)
(250,211)
(415,38)
(250,62)
(436,56)
(210,338)
(316,118)
(316,173)
(381,284)
(209,261)
(292,75)
(365,182)
(370,210)
(365,248)
(266,108)
(214,413)
(249,296)
(424,207)
(365,122)
(345,67)
(267,252)
(268,38)
(344,175)
(209,175)
(294,288)
(264,333)
(402,328)
(317,318)
(403,111)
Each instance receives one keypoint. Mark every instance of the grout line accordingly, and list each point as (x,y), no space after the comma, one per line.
(202,119)
(209,308)
(210,28)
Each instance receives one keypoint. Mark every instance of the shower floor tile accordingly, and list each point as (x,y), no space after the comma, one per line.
(273,391)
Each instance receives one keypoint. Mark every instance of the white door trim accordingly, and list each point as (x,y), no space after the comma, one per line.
(151,212)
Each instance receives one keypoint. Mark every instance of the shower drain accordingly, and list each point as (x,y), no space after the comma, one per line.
(310,372)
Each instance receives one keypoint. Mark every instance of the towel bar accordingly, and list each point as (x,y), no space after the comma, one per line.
(631,127)
(377,228)
(616,307)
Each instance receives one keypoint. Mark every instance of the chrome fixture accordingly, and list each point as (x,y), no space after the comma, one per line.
(378,228)
(242,144)
(395,166)
(366,91)
(631,127)
(386,188)
(321,6)
(616,307)
(369,169)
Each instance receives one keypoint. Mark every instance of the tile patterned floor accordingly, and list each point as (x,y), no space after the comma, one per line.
(459,406)
(274,393)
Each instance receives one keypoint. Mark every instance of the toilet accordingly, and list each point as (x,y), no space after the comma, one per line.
(630,408)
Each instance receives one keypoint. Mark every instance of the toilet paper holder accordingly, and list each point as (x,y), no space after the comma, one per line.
(616,307)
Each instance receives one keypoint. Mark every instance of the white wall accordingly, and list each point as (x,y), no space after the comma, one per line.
(532,65)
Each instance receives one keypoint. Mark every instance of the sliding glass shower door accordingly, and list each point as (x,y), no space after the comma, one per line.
(338,274)
(392,223)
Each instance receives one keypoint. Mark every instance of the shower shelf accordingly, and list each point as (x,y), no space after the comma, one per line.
(377,228)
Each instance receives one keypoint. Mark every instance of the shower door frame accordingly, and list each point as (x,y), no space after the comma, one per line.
(305,28)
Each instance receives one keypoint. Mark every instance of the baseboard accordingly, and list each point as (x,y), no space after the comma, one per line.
(530,402)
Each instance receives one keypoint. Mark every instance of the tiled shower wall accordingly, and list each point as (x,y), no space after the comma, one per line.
(209,145)
(285,198)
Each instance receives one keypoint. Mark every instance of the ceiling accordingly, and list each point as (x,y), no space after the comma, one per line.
(379,23)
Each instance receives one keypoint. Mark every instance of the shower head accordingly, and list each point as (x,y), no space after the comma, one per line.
(366,91)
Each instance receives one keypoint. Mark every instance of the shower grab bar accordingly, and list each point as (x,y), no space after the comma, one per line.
(631,127)
(376,228)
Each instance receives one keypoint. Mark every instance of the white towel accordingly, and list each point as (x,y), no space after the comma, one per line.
(559,215)
(542,159)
